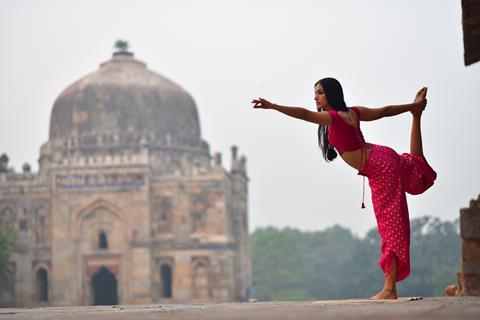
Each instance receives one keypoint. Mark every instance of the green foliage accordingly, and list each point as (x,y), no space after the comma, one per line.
(292,295)
(435,257)
(7,241)
(289,264)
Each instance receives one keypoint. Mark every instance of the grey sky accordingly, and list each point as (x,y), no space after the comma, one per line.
(227,52)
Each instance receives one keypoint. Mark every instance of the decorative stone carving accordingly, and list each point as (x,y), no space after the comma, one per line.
(161,216)
(42,225)
(200,278)
(7,217)
(199,207)
(101,181)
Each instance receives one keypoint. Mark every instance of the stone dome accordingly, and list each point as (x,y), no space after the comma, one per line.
(125,102)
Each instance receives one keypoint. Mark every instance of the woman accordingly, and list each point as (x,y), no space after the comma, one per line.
(389,175)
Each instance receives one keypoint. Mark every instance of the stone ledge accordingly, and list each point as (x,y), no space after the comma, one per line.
(425,309)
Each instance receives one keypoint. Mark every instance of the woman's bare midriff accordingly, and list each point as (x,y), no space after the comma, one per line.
(356,159)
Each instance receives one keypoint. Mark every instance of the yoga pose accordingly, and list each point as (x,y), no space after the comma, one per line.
(389,174)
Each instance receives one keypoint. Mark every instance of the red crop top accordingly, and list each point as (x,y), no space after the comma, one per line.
(343,136)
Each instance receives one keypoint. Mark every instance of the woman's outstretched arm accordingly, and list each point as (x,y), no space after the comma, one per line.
(321,117)
(419,103)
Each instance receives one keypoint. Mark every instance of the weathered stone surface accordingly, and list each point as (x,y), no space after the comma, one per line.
(471,284)
(471,267)
(470,223)
(465,308)
(470,250)
(124,99)
(469,278)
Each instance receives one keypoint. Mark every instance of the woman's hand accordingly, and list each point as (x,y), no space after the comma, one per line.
(420,102)
(262,103)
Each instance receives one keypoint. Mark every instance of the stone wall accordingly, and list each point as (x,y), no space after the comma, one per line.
(471,30)
(25,208)
(192,221)
(469,277)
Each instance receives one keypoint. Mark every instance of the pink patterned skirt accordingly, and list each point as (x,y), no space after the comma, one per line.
(390,175)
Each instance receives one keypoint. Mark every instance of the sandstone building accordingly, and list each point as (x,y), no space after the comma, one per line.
(128,205)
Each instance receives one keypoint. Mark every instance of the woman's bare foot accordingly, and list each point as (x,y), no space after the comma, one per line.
(385,294)
(421,101)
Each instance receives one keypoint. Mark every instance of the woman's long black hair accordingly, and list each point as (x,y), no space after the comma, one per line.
(334,92)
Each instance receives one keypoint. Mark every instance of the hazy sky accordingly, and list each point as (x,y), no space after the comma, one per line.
(227,52)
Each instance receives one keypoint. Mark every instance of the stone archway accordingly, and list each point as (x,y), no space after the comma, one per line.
(104,288)
(166,281)
(42,285)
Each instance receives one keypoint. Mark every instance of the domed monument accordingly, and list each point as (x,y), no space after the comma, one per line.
(128,205)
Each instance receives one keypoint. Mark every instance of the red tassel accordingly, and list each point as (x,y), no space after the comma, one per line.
(363,194)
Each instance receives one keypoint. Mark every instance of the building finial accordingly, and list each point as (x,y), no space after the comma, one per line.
(121,49)
(121,46)
(4,163)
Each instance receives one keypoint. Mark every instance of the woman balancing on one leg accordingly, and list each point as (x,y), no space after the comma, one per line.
(389,174)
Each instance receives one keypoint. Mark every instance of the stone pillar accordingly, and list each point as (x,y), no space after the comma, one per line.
(469,278)
(141,275)
(217,159)
(239,216)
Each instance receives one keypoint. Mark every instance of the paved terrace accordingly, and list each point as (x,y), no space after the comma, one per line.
(427,308)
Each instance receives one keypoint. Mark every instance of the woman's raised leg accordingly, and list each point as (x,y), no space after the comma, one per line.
(416,146)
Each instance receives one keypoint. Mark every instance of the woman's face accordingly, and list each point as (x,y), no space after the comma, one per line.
(320,97)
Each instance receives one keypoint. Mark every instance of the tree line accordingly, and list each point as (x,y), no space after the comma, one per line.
(289,264)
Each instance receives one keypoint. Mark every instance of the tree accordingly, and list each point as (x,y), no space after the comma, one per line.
(435,257)
(7,242)
(289,264)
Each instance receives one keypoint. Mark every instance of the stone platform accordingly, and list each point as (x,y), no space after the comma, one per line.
(424,309)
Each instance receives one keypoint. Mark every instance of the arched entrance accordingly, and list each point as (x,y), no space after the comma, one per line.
(104,287)
(166,281)
(102,241)
(42,285)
